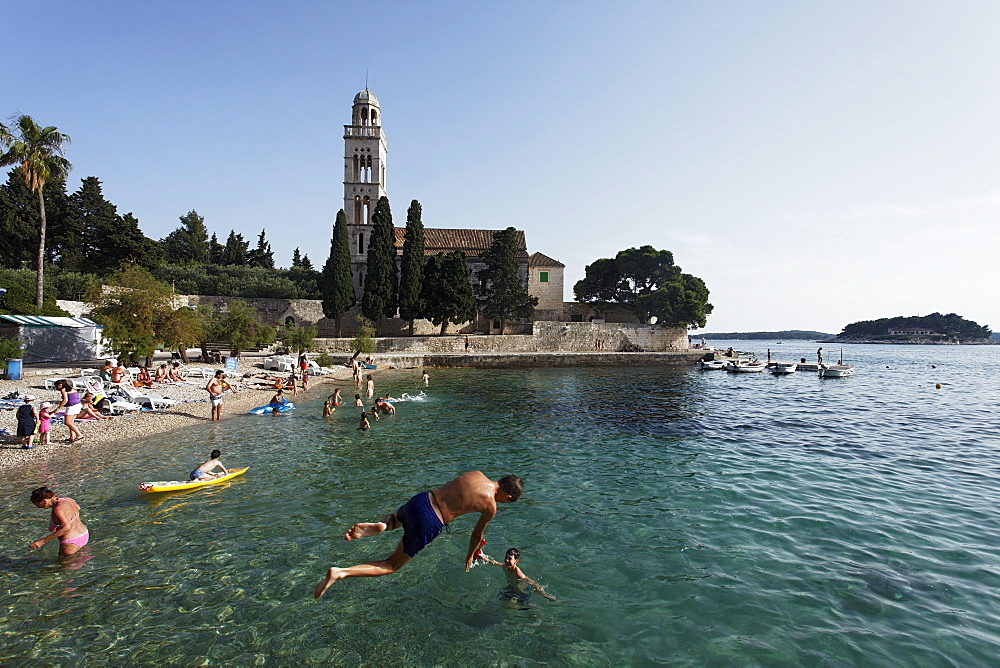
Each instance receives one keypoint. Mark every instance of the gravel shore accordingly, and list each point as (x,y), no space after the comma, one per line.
(126,428)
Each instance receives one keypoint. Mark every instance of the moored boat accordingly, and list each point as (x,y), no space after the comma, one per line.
(783,368)
(745,366)
(711,365)
(837,370)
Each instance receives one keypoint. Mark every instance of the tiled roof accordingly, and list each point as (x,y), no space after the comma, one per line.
(471,242)
(539,260)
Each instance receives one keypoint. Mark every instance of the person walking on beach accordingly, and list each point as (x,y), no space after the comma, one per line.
(45,412)
(216,386)
(425,516)
(65,523)
(70,400)
(27,422)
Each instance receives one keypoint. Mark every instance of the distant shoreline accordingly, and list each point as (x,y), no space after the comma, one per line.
(918,342)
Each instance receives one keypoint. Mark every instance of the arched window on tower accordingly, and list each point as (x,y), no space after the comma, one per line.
(368,210)
(361,243)
(358,210)
(357,173)
(368,170)
(364,115)
(374,117)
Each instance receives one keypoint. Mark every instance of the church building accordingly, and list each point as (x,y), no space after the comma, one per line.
(365,149)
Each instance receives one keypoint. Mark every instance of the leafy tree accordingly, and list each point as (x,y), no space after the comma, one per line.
(38,152)
(18,298)
(379,299)
(235,251)
(412,266)
(238,325)
(951,326)
(645,281)
(130,308)
(447,293)
(337,284)
(298,338)
(181,329)
(262,255)
(364,337)
(189,242)
(683,302)
(237,281)
(504,295)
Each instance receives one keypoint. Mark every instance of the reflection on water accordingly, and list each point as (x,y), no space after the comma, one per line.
(679,516)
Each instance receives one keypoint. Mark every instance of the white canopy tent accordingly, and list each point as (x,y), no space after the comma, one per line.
(54,339)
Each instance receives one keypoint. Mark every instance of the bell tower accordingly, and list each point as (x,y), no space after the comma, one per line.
(364,177)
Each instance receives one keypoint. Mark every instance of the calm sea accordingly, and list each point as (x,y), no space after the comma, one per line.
(680,517)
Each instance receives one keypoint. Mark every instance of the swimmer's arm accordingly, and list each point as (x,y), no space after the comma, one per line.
(490,560)
(477,536)
(64,527)
(537,587)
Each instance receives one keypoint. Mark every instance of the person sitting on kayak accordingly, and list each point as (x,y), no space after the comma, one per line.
(206,470)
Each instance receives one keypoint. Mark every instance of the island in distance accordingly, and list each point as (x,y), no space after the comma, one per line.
(923,329)
(786,335)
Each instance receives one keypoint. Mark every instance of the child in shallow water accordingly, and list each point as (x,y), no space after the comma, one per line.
(516,579)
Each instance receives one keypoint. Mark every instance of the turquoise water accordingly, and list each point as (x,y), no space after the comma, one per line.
(680,517)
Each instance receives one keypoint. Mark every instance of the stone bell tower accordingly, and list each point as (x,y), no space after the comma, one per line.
(364,177)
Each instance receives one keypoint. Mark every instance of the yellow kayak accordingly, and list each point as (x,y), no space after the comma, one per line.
(178,485)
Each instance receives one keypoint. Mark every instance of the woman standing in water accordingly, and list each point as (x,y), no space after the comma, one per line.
(65,523)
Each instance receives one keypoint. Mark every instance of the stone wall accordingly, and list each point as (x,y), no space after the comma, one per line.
(563,337)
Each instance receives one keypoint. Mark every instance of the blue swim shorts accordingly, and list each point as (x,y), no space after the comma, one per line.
(196,474)
(421,524)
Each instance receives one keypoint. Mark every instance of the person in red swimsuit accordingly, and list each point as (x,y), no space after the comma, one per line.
(65,523)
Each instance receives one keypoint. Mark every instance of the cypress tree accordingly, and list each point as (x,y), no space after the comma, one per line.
(447,292)
(504,295)
(412,266)
(262,255)
(379,299)
(93,219)
(235,251)
(215,250)
(337,284)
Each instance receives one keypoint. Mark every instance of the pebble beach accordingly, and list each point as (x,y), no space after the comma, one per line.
(116,433)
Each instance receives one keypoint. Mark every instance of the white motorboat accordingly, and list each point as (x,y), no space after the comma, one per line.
(711,365)
(745,366)
(837,370)
(783,368)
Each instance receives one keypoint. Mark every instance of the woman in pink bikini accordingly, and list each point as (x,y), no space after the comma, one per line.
(65,523)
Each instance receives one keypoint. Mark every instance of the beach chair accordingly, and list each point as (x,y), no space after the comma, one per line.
(136,396)
(120,406)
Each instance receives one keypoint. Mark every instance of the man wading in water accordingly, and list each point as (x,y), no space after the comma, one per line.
(425,516)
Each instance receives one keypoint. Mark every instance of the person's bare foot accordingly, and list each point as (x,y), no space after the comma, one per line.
(363,529)
(332,575)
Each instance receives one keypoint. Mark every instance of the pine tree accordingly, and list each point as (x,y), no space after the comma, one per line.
(19,220)
(296,258)
(337,284)
(124,244)
(504,295)
(215,250)
(262,255)
(412,266)
(379,299)
(189,242)
(90,218)
(235,251)
(447,293)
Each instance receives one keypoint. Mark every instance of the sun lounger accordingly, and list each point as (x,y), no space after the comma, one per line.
(153,401)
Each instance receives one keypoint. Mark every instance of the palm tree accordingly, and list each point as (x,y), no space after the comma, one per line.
(38,152)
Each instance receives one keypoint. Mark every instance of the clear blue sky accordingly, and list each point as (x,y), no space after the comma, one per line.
(816,163)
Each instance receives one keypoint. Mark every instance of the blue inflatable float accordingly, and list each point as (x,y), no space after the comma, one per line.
(264,410)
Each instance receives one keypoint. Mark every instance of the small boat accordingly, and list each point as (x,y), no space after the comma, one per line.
(745,366)
(783,368)
(179,485)
(837,370)
(711,365)
(369,366)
